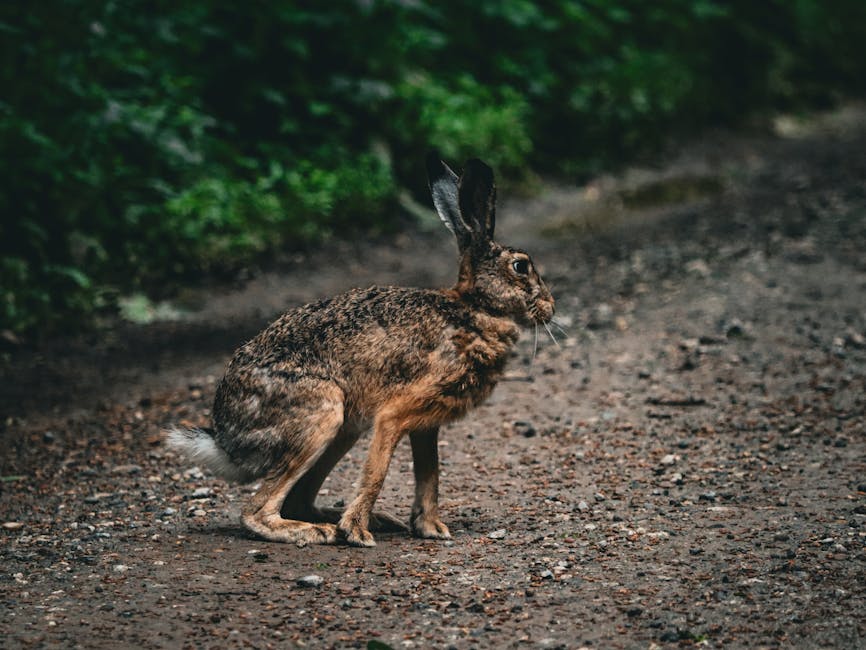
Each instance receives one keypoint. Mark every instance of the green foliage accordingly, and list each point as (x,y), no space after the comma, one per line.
(467,119)
(145,143)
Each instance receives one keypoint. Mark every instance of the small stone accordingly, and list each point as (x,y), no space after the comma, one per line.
(48,437)
(707,496)
(698,267)
(126,469)
(497,534)
(525,429)
(120,568)
(310,581)
(202,492)
(583,506)
(735,329)
(599,496)
(546,574)
(168,512)
(669,459)
(13,525)
(855,340)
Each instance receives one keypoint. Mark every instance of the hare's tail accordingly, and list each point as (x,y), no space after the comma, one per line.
(200,447)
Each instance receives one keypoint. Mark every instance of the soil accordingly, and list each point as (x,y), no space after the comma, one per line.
(686,467)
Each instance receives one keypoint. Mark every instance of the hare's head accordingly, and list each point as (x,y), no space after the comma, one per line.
(498,278)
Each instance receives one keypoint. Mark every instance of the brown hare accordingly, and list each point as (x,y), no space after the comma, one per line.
(403,361)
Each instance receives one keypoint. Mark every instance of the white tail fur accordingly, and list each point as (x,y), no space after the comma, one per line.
(199,446)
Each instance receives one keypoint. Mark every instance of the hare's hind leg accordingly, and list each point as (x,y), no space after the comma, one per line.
(261,514)
(301,501)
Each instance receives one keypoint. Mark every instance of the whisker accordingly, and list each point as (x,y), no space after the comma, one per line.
(559,327)
(535,344)
(552,337)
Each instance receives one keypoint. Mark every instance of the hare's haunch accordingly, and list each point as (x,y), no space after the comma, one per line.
(405,361)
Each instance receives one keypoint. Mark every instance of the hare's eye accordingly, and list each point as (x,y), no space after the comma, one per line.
(521,267)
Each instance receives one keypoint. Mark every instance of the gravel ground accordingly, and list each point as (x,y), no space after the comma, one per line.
(686,467)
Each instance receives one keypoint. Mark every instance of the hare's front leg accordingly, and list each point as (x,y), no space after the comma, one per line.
(425,461)
(388,429)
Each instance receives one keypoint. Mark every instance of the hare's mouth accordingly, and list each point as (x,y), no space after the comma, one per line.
(541,311)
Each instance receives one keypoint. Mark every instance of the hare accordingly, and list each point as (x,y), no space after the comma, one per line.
(298,396)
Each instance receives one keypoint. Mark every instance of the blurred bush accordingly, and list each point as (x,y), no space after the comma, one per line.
(145,143)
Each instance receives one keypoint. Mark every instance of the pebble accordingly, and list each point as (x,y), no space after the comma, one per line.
(13,525)
(668,459)
(126,469)
(735,329)
(583,506)
(698,267)
(202,492)
(169,512)
(120,568)
(94,498)
(497,534)
(310,581)
(855,340)
(525,429)
(546,574)
(601,317)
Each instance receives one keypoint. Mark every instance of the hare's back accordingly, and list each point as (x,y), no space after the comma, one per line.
(335,329)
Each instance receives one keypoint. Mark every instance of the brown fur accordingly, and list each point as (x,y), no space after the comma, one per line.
(406,361)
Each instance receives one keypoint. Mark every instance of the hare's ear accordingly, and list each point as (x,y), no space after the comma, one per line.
(477,198)
(443,186)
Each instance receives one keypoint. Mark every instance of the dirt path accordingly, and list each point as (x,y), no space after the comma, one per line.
(688,468)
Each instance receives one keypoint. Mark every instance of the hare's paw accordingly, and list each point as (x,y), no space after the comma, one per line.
(302,533)
(430,528)
(323,534)
(357,536)
(351,530)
